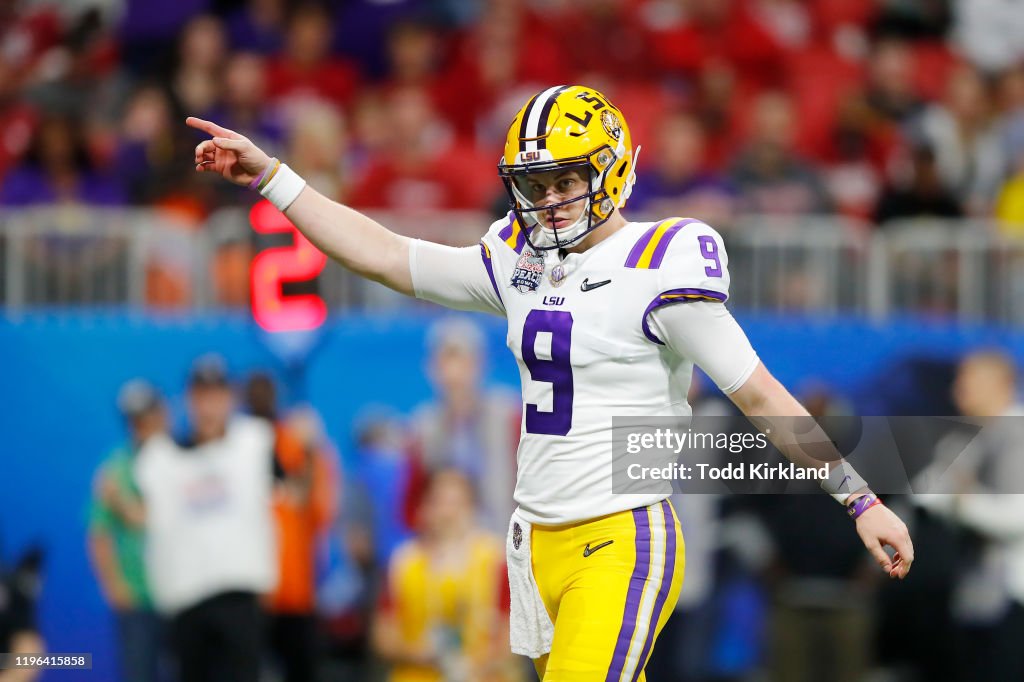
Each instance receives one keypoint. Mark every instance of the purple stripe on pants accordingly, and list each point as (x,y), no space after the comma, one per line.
(634,593)
(666,585)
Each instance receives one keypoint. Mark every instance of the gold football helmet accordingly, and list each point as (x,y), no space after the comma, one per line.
(568,127)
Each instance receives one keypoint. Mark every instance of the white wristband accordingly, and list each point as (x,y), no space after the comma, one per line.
(843,480)
(283,188)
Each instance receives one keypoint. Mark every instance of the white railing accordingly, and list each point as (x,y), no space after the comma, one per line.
(960,267)
(821,264)
(817,263)
(65,256)
(77,256)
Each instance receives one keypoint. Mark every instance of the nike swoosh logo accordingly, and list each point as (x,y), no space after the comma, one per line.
(587,286)
(588,550)
(845,479)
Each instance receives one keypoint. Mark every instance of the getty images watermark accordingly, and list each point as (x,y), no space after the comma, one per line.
(895,455)
(686,441)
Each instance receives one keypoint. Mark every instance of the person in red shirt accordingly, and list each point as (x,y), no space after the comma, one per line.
(509,49)
(717,32)
(306,68)
(409,174)
(590,27)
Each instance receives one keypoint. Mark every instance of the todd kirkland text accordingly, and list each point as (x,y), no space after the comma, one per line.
(738,471)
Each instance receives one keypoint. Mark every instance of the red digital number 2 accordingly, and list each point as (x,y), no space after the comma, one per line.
(299,262)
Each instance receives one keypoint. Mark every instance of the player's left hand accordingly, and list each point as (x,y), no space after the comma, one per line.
(879,527)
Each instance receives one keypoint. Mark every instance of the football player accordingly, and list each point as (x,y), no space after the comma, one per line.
(605,317)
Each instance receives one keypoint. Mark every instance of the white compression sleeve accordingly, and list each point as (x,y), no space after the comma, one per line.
(707,334)
(454,277)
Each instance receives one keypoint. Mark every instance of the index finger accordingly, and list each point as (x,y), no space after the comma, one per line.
(210,127)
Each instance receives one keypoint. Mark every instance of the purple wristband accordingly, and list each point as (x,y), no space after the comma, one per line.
(862,504)
(255,184)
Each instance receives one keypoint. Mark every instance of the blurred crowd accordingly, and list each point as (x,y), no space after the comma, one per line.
(879,110)
(392,564)
(231,543)
(234,541)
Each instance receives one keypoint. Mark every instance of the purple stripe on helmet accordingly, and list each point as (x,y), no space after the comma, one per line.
(638,249)
(662,247)
(542,124)
(635,592)
(666,586)
(506,231)
(667,298)
(522,124)
(486,256)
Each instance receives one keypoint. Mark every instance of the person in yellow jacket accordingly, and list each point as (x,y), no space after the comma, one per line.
(442,614)
(1009,210)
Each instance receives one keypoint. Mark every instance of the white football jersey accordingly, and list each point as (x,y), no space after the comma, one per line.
(579,328)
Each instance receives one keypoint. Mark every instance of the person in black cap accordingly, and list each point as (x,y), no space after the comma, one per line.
(210,400)
(210,551)
(117,535)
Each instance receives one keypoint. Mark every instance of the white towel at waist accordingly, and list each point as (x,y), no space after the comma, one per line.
(530,627)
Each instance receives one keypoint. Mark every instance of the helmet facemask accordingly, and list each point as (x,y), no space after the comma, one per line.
(598,208)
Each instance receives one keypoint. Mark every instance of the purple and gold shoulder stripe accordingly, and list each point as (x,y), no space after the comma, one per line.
(649,251)
(513,235)
(485,254)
